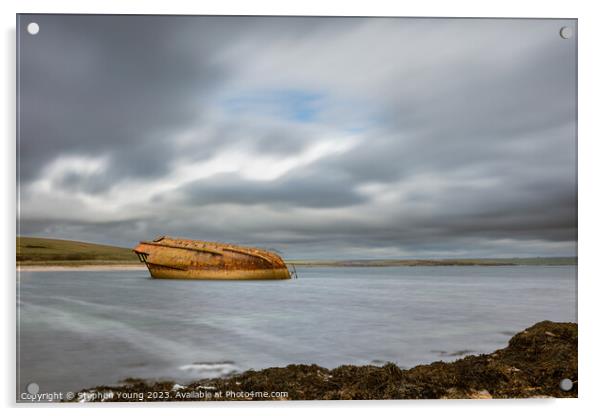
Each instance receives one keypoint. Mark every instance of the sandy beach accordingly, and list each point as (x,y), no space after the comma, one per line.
(79,268)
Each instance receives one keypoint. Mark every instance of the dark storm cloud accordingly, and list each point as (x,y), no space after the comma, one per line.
(123,86)
(482,111)
(303,190)
(324,137)
(118,86)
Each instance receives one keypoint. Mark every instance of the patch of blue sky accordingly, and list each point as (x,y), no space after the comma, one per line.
(297,105)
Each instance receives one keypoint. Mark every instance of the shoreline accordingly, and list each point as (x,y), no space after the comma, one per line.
(532,365)
(66,266)
(78,267)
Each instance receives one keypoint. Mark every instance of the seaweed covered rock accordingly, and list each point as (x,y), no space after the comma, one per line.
(532,365)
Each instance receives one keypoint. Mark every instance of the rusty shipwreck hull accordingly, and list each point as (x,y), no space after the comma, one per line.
(175,258)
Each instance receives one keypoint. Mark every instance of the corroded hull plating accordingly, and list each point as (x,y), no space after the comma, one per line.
(174,258)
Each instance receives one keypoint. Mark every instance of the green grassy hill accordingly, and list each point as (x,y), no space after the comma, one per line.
(46,251)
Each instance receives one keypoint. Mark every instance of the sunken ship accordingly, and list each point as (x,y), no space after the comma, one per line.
(175,258)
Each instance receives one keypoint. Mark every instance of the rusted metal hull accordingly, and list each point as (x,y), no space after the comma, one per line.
(173,258)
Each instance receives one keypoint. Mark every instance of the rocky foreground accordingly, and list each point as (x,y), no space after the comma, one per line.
(532,365)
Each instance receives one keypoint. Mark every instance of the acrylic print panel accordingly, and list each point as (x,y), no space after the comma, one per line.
(354,208)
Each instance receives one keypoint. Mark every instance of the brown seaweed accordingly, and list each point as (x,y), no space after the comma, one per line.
(532,365)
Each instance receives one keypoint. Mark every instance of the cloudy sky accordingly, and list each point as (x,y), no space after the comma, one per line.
(320,137)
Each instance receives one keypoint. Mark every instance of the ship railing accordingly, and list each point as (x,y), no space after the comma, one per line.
(141,256)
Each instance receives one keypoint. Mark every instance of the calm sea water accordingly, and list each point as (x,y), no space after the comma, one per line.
(82,329)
